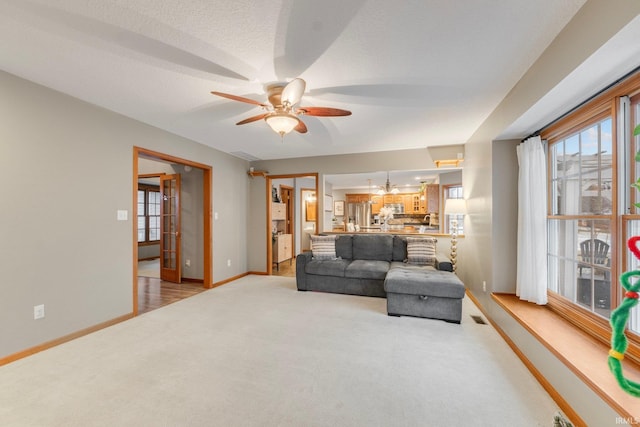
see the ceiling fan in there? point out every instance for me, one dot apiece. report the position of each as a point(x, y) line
point(282, 111)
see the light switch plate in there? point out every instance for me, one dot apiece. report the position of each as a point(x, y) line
point(123, 215)
point(38, 311)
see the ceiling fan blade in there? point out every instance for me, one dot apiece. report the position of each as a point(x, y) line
point(239, 98)
point(322, 111)
point(301, 128)
point(292, 92)
point(252, 119)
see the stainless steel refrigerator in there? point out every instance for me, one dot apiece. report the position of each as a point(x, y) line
point(360, 214)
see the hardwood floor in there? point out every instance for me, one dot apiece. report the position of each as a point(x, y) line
point(155, 293)
point(285, 269)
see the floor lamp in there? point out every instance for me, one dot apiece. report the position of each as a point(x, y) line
point(454, 207)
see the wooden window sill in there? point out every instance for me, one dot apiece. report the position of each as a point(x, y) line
point(584, 355)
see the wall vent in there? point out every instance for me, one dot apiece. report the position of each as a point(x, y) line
point(479, 320)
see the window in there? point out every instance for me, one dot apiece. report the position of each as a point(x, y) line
point(148, 214)
point(580, 224)
point(590, 156)
point(631, 222)
point(453, 192)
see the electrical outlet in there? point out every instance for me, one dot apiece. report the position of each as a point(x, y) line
point(228, 263)
point(484, 286)
point(187, 263)
point(38, 312)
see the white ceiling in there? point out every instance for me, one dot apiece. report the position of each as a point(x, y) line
point(415, 73)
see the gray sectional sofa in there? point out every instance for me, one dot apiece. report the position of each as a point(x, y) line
point(375, 265)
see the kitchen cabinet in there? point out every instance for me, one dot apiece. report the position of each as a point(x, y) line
point(278, 217)
point(393, 198)
point(278, 211)
point(357, 198)
point(433, 198)
point(423, 202)
point(415, 204)
point(407, 201)
point(376, 204)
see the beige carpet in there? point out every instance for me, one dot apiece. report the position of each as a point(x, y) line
point(256, 352)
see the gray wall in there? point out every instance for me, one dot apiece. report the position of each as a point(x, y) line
point(504, 189)
point(68, 167)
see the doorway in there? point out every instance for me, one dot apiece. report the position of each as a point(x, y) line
point(309, 212)
point(288, 197)
point(148, 205)
point(170, 225)
point(288, 189)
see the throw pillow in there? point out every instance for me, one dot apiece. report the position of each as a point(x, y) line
point(323, 247)
point(421, 250)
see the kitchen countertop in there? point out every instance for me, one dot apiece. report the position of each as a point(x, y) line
point(406, 231)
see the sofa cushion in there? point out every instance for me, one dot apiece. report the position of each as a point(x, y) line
point(328, 267)
point(323, 247)
point(343, 246)
point(423, 281)
point(421, 250)
point(399, 248)
point(416, 267)
point(367, 269)
point(373, 247)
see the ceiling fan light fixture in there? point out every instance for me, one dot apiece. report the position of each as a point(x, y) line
point(281, 111)
point(281, 123)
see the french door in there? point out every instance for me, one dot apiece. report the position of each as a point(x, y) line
point(170, 228)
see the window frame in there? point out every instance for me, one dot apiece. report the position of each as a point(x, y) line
point(148, 188)
point(446, 223)
point(605, 104)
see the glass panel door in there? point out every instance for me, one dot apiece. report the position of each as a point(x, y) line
point(170, 228)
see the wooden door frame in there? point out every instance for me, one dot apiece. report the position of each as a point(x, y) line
point(207, 208)
point(268, 182)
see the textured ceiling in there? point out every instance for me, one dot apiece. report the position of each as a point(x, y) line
point(415, 73)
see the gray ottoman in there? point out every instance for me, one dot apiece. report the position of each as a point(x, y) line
point(424, 292)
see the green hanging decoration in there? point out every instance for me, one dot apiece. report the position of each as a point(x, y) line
point(619, 319)
point(620, 316)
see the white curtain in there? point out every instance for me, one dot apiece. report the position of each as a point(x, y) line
point(531, 280)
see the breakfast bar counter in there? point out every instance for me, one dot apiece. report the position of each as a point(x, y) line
point(405, 231)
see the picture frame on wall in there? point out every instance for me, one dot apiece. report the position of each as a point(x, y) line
point(338, 208)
